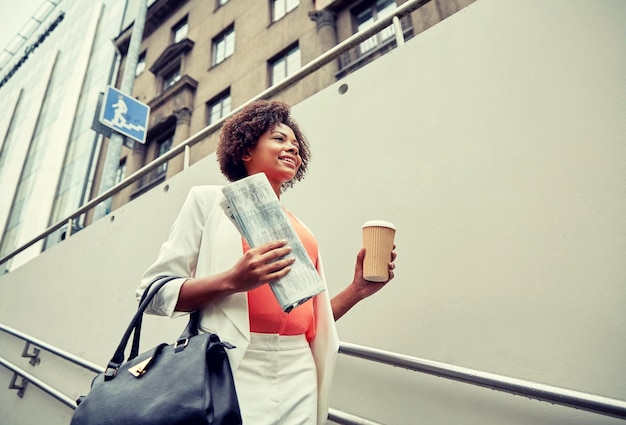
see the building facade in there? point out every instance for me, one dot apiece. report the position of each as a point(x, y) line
point(51, 74)
point(199, 60)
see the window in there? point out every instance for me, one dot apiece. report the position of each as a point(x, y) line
point(224, 45)
point(171, 77)
point(141, 64)
point(179, 31)
point(121, 171)
point(218, 107)
point(162, 147)
point(281, 7)
point(284, 65)
point(367, 16)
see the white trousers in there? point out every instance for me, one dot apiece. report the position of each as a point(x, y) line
point(276, 381)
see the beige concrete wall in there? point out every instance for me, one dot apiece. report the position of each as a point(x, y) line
point(501, 160)
point(495, 143)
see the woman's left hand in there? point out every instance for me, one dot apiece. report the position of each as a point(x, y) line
point(359, 288)
point(365, 288)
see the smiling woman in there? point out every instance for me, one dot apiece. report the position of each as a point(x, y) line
point(283, 362)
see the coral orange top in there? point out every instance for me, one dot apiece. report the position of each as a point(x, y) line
point(265, 313)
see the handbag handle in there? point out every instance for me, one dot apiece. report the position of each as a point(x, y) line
point(135, 327)
point(134, 350)
point(190, 330)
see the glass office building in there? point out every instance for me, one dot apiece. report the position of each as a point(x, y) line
point(51, 75)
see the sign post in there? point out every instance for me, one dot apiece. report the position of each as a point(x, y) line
point(124, 117)
point(124, 114)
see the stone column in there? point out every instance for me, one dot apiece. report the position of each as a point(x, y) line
point(181, 133)
point(326, 27)
point(327, 31)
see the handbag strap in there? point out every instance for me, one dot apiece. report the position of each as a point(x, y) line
point(135, 326)
point(190, 330)
point(134, 350)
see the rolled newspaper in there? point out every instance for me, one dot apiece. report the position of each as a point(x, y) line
point(256, 212)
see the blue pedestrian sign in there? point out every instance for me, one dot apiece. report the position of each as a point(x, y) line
point(125, 114)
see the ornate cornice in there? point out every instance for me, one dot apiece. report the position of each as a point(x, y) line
point(170, 54)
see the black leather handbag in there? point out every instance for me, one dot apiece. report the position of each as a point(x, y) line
point(189, 382)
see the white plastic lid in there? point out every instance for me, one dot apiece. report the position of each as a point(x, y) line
point(379, 223)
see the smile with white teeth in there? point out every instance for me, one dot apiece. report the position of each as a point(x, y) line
point(290, 160)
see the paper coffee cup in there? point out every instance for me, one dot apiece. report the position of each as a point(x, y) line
point(378, 237)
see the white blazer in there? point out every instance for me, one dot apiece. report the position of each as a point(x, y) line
point(203, 242)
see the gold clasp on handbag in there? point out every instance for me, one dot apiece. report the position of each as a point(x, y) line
point(140, 368)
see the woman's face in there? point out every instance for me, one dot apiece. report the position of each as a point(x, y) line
point(277, 154)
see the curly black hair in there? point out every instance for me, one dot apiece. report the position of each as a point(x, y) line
point(241, 132)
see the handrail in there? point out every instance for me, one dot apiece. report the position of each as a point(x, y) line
point(564, 397)
point(39, 383)
point(303, 72)
point(542, 392)
point(52, 349)
point(343, 418)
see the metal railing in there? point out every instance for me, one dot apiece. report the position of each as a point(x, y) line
point(541, 392)
point(185, 146)
point(52, 349)
point(48, 389)
point(555, 395)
